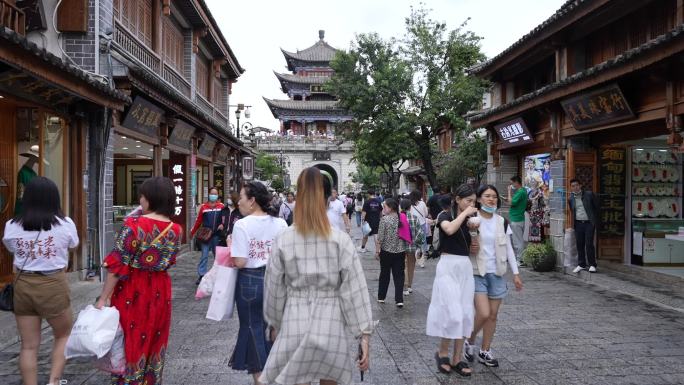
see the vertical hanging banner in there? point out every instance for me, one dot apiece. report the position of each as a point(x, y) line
point(247, 168)
point(219, 177)
point(179, 175)
point(612, 191)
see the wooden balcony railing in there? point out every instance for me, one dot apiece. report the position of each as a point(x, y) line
point(133, 46)
point(12, 17)
point(135, 50)
point(176, 80)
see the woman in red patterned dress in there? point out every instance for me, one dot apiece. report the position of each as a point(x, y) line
point(140, 287)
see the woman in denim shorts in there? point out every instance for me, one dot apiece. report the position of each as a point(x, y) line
point(489, 266)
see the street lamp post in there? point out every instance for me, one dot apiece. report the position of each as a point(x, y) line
point(238, 110)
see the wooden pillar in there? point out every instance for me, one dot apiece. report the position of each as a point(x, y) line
point(679, 17)
point(158, 29)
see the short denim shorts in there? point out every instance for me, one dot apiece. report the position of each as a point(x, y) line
point(492, 284)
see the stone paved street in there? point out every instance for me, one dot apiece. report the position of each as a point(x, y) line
point(556, 331)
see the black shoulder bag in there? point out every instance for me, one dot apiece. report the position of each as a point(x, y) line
point(7, 293)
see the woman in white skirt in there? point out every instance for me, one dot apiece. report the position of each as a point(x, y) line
point(451, 313)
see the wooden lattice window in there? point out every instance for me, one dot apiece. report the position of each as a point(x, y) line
point(174, 42)
point(136, 17)
point(217, 97)
point(202, 76)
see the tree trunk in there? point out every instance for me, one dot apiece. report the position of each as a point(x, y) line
point(423, 143)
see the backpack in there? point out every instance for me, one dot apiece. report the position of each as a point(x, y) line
point(290, 215)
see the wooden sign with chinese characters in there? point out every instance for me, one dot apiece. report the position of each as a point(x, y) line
point(222, 153)
point(612, 179)
point(513, 133)
point(602, 106)
point(181, 135)
point(178, 173)
point(219, 178)
point(144, 117)
point(207, 147)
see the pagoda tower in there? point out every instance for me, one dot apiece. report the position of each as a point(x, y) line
point(309, 116)
point(310, 110)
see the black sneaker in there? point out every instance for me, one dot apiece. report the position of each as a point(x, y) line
point(487, 359)
point(468, 351)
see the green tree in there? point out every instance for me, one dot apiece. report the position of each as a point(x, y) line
point(412, 86)
point(367, 176)
point(269, 166)
point(469, 160)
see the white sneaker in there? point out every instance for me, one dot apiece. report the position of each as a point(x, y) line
point(410, 290)
point(578, 269)
point(361, 249)
point(592, 269)
point(400, 305)
point(407, 292)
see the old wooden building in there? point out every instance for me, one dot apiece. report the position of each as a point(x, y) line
point(596, 92)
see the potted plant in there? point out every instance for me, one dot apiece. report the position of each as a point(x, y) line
point(540, 256)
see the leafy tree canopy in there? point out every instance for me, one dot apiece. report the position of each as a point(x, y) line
point(411, 87)
point(269, 166)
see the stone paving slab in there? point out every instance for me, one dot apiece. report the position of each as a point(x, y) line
point(556, 331)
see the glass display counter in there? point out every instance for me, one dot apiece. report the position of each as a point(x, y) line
point(650, 243)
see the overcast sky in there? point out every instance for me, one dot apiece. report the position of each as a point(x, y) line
point(257, 29)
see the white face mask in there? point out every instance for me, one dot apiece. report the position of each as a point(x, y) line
point(229, 202)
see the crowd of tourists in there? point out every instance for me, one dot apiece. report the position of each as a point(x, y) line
point(300, 283)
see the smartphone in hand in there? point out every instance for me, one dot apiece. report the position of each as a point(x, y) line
point(360, 357)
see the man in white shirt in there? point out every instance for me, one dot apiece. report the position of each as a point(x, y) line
point(336, 213)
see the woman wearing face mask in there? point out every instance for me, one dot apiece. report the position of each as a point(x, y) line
point(209, 217)
point(390, 250)
point(489, 266)
point(451, 314)
point(229, 215)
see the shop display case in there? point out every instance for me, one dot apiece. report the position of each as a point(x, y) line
point(656, 209)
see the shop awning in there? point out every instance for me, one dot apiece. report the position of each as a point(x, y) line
point(413, 171)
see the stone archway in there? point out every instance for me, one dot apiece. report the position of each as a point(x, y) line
point(331, 170)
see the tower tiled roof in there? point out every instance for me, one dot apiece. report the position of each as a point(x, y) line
point(301, 79)
point(319, 52)
point(303, 105)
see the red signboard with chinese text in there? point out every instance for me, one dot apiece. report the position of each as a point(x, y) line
point(513, 133)
point(601, 106)
point(179, 173)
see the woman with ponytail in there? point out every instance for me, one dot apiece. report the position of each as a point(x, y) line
point(251, 247)
point(390, 251)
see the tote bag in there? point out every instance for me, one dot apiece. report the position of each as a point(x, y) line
point(222, 303)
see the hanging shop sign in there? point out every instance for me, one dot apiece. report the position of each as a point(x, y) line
point(206, 149)
point(179, 174)
point(247, 168)
point(602, 106)
point(143, 117)
point(219, 178)
point(222, 153)
point(513, 133)
point(612, 181)
point(181, 135)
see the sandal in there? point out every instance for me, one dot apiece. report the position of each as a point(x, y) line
point(461, 367)
point(442, 362)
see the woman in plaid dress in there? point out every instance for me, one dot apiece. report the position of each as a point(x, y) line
point(418, 239)
point(314, 290)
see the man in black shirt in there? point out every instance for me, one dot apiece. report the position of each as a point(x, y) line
point(372, 210)
point(433, 202)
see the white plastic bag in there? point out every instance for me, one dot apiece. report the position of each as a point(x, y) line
point(206, 285)
point(365, 229)
point(93, 333)
point(222, 301)
point(115, 360)
point(569, 248)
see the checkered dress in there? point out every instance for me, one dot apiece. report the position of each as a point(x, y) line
point(314, 288)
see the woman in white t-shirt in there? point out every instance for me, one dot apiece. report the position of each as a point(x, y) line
point(251, 247)
point(40, 238)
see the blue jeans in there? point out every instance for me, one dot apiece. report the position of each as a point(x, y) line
point(491, 284)
point(251, 347)
point(358, 218)
point(204, 259)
